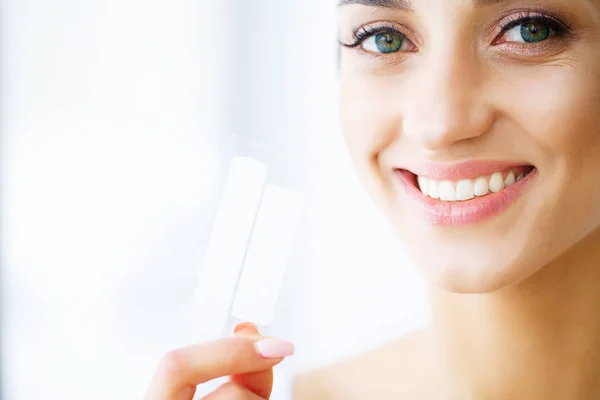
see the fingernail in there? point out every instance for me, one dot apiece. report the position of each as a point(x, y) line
point(273, 348)
point(244, 325)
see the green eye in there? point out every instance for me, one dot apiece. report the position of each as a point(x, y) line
point(385, 43)
point(388, 42)
point(534, 31)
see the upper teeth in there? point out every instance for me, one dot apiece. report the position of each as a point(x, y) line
point(467, 189)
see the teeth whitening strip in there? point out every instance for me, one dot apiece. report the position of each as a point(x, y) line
point(255, 228)
point(267, 257)
point(227, 245)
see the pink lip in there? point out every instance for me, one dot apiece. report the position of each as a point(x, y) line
point(465, 170)
point(443, 213)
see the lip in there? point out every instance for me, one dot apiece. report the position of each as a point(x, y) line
point(464, 170)
point(443, 213)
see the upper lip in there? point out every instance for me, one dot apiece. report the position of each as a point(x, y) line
point(464, 170)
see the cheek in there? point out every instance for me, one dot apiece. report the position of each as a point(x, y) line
point(558, 109)
point(369, 116)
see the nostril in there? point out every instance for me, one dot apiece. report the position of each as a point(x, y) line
point(442, 124)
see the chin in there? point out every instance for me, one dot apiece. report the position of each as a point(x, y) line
point(473, 279)
point(480, 263)
point(473, 266)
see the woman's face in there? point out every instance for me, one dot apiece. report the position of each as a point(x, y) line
point(476, 126)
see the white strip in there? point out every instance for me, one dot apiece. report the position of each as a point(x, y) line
point(227, 246)
point(268, 255)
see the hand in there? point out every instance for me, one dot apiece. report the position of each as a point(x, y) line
point(247, 357)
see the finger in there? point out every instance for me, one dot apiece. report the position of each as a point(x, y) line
point(260, 383)
point(188, 367)
point(232, 391)
point(246, 328)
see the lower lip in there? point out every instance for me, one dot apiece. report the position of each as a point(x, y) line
point(445, 213)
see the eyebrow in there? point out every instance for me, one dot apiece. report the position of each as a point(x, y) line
point(395, 4)
point(404, 5)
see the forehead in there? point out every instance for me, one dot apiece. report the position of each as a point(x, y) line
point(410, 5)
point(587, 11)
point(407, 5)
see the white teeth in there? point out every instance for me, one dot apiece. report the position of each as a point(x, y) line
point(447, 191)
point(496, 182)
point(510, 179)
point(465, 190)
point(481, 187)
point(434, 189)
point(423, 185)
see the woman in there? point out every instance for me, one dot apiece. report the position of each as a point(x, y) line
point(475, 124)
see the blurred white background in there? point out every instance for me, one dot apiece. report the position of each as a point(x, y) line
point(118, 123)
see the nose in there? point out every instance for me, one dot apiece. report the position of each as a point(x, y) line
point(446, 105)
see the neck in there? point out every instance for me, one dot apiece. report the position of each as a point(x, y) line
point(538, 339)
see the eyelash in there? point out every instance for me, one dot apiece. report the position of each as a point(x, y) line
point(363, 33)
point(559, 28)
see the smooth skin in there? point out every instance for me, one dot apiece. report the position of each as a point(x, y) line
point(515, 299)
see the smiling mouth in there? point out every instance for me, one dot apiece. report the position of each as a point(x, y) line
point(464, 193)
point(468, 189)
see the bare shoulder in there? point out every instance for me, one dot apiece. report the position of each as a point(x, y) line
point(398, 369)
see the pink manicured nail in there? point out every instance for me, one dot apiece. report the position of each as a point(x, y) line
point(273, 348)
